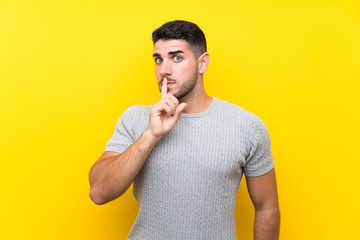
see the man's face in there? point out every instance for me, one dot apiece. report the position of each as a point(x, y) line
point(175, 61)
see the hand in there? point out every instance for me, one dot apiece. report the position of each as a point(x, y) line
point(165, 113)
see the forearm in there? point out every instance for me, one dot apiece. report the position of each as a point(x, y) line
point(110, 177)
point(267, 224)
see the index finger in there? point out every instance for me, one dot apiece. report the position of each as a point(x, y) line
point(164, 88)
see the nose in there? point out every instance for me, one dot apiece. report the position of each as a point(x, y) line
point(166, 68)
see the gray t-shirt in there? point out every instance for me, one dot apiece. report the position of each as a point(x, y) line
point(188, 185)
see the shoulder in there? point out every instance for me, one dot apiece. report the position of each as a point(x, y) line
point(135, 111)
point(134, 115)
point(248, 122)
point(236, 111)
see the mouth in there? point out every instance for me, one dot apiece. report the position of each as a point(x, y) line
point(169, 81)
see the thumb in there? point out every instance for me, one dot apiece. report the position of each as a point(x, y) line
point(179, 109)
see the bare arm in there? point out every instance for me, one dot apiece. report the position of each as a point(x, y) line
point(263, 193)
point(113, 173)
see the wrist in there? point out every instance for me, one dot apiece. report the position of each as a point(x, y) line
point(148, 134)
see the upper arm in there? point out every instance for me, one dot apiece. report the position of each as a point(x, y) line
point(127, 130)
point(263, 191)
point(259, 159)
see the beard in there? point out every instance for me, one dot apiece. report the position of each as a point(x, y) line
point(187, 86)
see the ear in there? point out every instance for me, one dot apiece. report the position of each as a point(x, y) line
point(203, 62)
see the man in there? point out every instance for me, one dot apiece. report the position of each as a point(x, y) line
point(186, 153)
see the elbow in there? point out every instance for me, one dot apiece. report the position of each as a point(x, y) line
point(272, 213)
point(269, 217)
point(96, 197)
point(99, 198)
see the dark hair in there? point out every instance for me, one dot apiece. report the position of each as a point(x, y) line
point(185, 30)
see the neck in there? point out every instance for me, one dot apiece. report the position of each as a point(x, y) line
point(197, 100)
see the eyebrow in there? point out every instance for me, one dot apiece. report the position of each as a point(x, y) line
point(176, 52)
point(170, 53)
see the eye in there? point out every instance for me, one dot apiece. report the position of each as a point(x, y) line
point(177, 58)
point(158, 60)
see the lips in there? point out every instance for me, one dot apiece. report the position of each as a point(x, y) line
point(169, 81)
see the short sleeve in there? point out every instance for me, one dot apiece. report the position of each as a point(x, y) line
point(124, 135)
point(259, 160)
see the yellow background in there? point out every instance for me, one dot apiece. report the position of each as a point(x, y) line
point(68, 69)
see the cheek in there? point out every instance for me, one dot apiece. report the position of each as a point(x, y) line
point(185, 69)
point(157, 72)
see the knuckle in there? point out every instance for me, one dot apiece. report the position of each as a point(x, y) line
point(174, 99)
point(171, 103)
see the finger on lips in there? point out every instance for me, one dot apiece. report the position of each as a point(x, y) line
point(168, 100)
point(164, 88)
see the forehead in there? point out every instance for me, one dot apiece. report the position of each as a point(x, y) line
point(165, 46)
